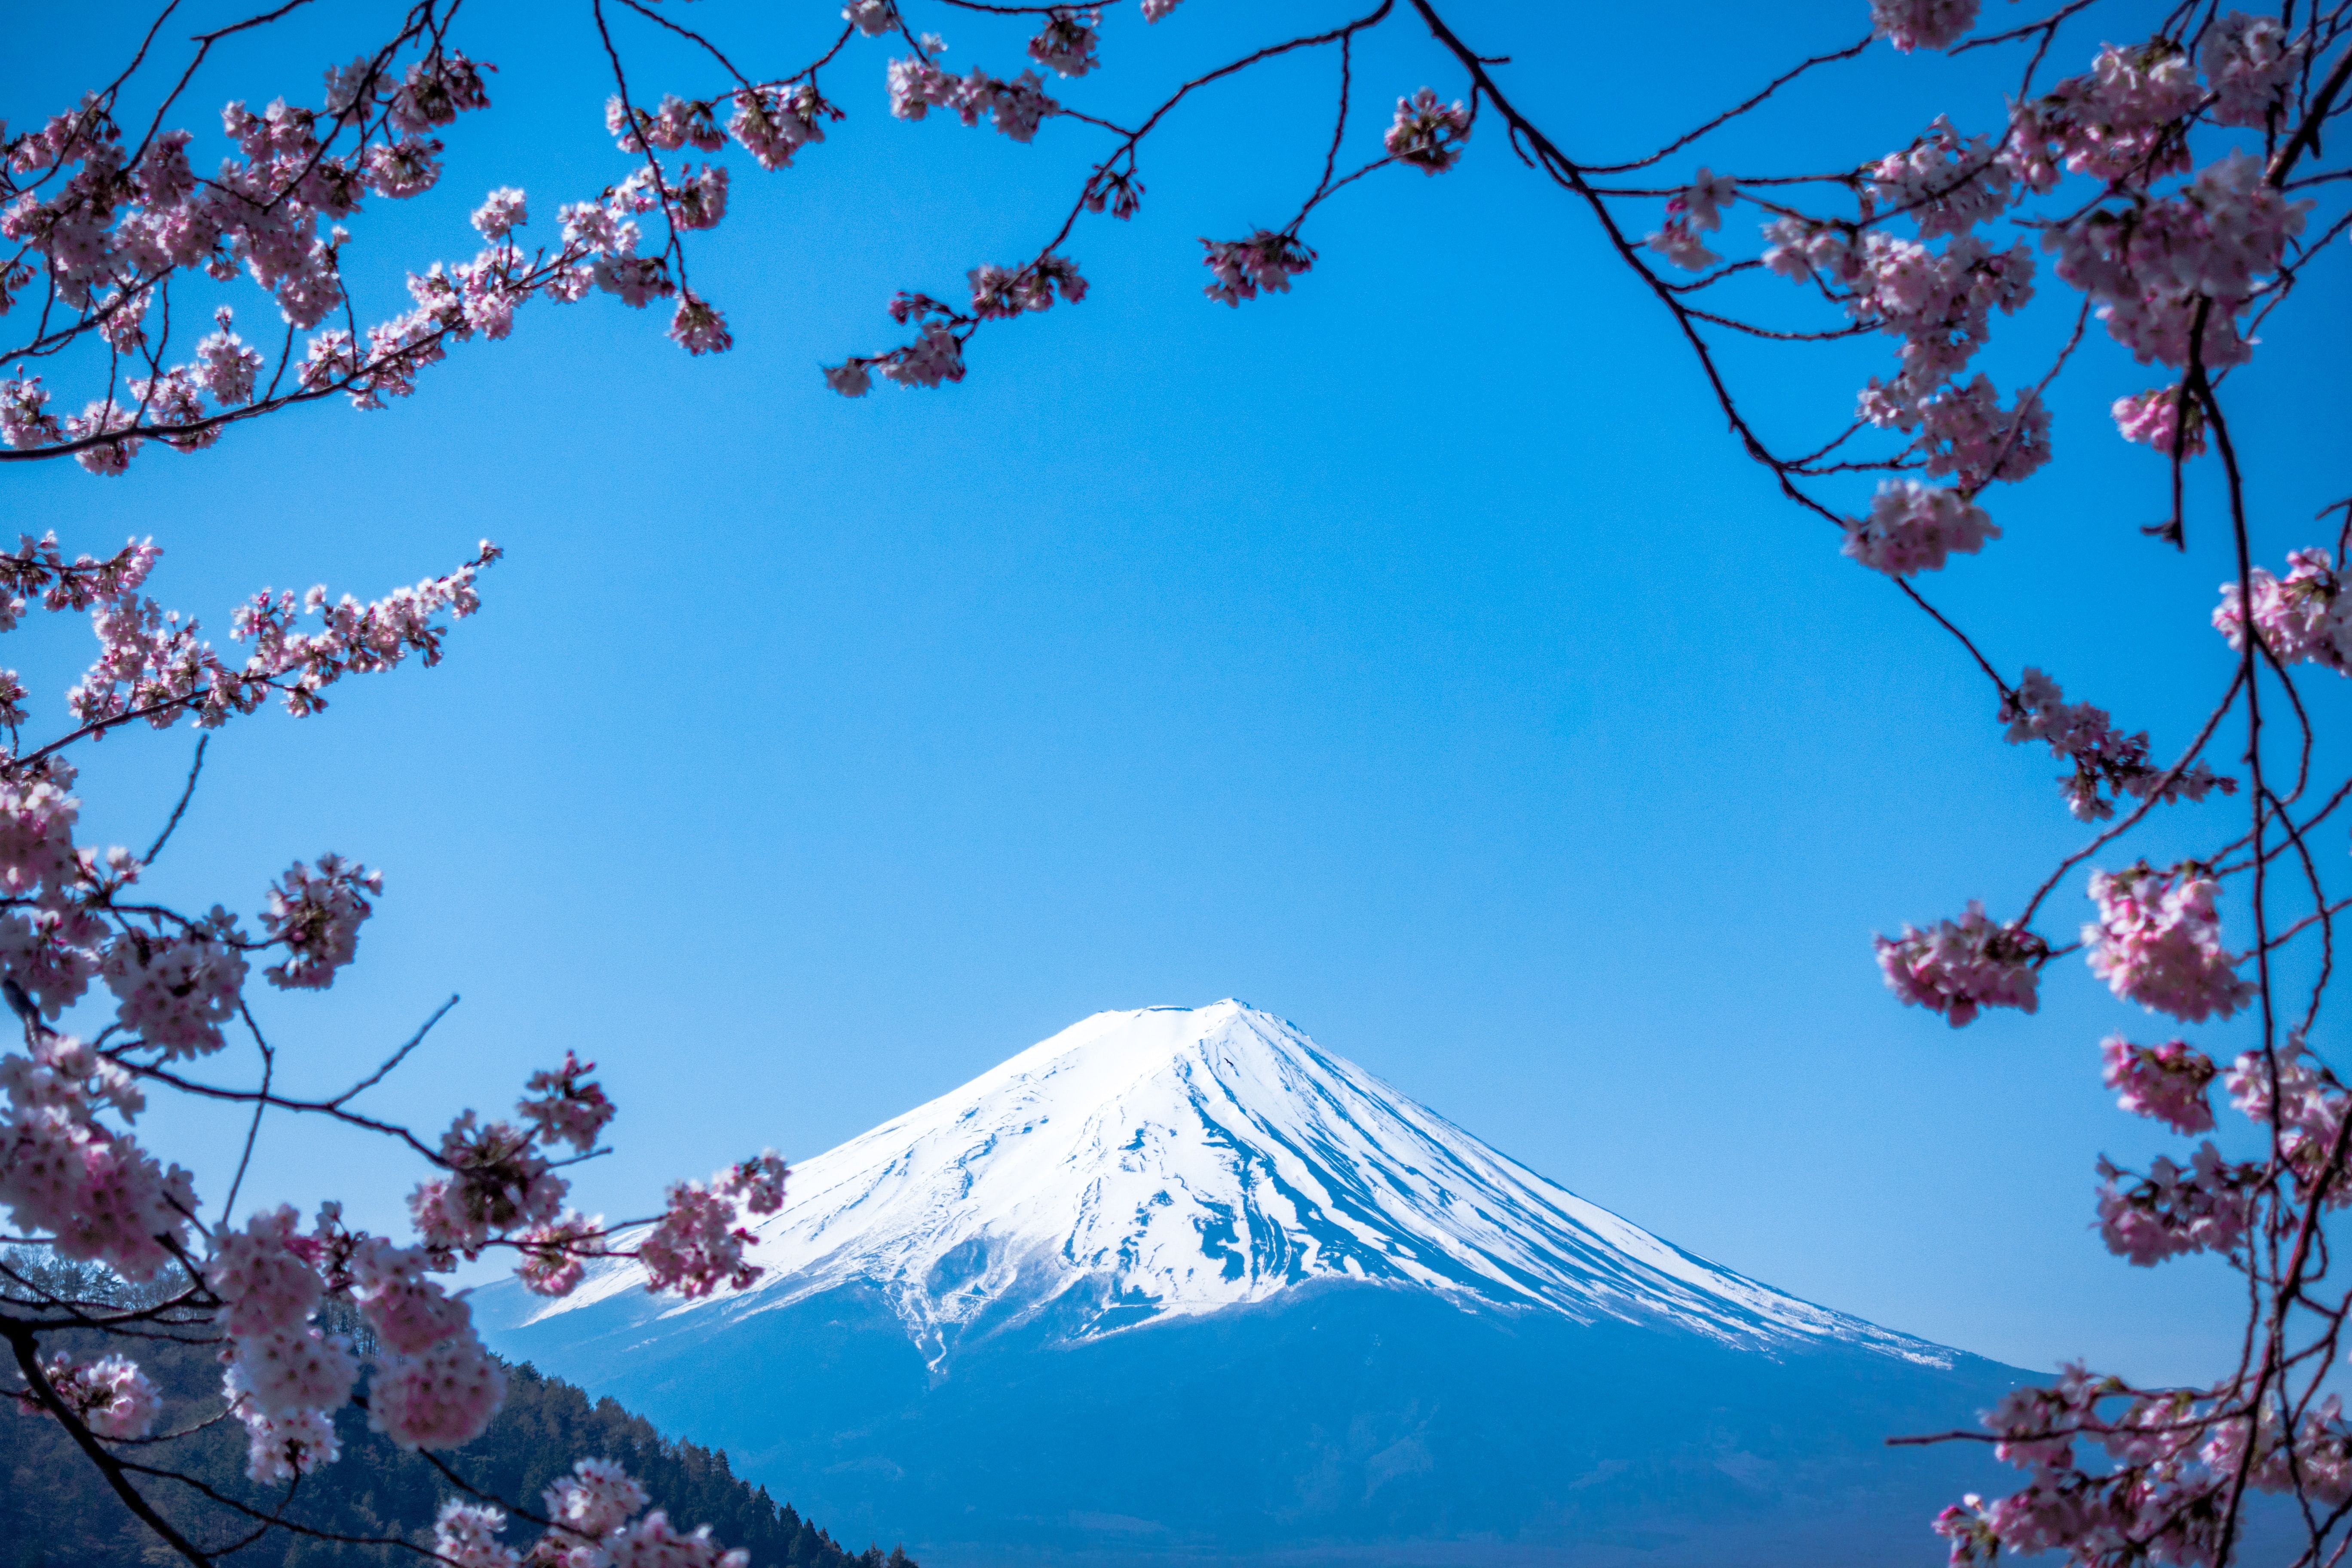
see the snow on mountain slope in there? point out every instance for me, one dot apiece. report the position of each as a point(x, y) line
point(1174, 1161)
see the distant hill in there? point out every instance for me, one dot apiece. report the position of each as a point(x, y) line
point(56, 1513)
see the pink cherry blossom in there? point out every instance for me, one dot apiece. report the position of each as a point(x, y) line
point(2250, 63)
point(465, 1535)
point(872, 18)
point(1065, 45)
point(2036, 1424)
point(496, 1183)
point(2302, 616)
point(1913, 527)
point(697, 327)
point(564, 1109)
point(699, 200)
point(36, 822)
point(1923, 24)
point(773, 125)
point(502, 212)
point(697, 1246)
point(439, 1398)
point(1265, 262)
point(1959, 967)
point(2202, 1206)
point(286, 1371)
point(280, 1448)
point(2103, 757)
point(1945, 183)
point(998, 294)
point(266, 1282)
point(595, 1499)
point(1966, 434)
point(2153, 417)
point(110, 1395)
point(651, 1542)
point(1428, 134)
point(759, 1182)
point(553, 1256)
point(97, 1193)
point(1016, 108)
point(2119, 122)
point(50, 953)
point(2166, 1082)
point(2152, 267)
point(316, 917)
point(176, 992)
point(2295, 1094)
point(1695, 210)
point(25, 421)
point(854, 379)
point(2157, 942)
point(410, 1312)
point(936, 356)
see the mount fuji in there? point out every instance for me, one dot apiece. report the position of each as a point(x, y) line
point(1178, 1285)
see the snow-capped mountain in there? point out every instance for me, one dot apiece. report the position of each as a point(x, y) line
point(1179, 1281)
point(1170, 1161)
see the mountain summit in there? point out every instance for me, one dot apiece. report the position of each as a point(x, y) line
point(1172, 1161)
point(1178, 1283)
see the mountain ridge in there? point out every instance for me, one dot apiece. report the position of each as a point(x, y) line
point(1187, 1160)
point(1179, 1285)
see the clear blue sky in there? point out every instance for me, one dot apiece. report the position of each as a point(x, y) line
point(1411, 656)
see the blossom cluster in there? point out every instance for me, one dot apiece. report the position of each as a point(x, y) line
point(1066, 44)
point(1017, 106)
point(1959, 967)
point(2205, 1205)
point(110, 233)
point(936, 355)
point(2155, 268)
point(75, 1178)
point(110, 1395)
point(1429, 134)
point(2156, 1495)
point(1923, 24)
point(1965, 433)
point(111, 228)
point(998, 293)
point(1939, 302)
point(1915, 528)
point(592, 1524)
point(1265, 262)
point(2166, 1082)
point(2172, 1461)
point(1696, 210)
point(67, 1170)
point(2302, 616)
point(698, 1245)
point(316, 916)
point(2163, 418)
point(88, 1188)
point(2104, 758)
point(1944, 182)
point(2291, 1092)
point(2157, 942)
point(2161, 263)
point(773, 124)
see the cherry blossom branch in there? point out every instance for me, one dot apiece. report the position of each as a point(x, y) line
point(21, 1341)
point(187, 792)
point(1754, 102)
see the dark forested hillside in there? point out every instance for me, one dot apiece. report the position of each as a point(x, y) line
point(56, 1511)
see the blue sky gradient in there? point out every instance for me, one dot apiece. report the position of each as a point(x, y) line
point(1412, 655)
